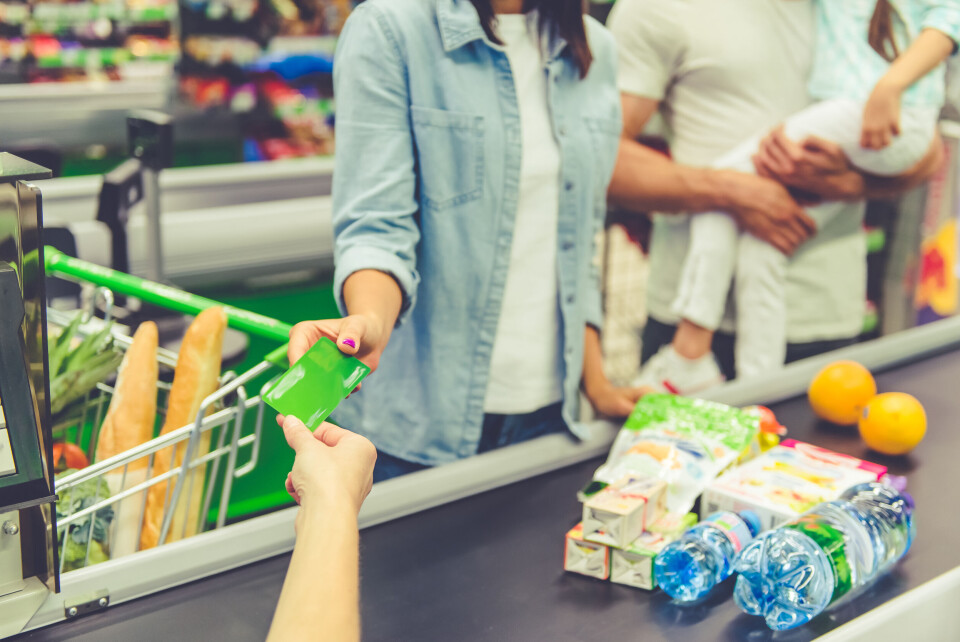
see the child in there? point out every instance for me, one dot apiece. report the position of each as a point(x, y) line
point(881, 106)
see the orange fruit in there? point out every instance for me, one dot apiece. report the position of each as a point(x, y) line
point(840, 391)
point(893, 423)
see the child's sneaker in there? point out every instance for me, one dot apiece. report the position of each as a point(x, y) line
point(667, 371)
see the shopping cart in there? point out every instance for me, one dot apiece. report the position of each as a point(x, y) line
point(105, 502)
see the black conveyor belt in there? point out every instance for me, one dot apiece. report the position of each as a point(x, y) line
point(490, 567)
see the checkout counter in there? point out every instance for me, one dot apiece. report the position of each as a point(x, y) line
point(473, 550)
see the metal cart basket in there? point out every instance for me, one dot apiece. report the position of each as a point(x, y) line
point(106, 501)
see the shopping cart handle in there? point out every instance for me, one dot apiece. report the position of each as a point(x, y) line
point(279, 357)
point(60, 264)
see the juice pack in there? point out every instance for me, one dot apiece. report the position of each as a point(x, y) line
point(787, 481)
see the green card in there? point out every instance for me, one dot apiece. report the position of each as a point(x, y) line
point(316, 384)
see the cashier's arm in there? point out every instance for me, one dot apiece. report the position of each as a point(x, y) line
point(332, 475)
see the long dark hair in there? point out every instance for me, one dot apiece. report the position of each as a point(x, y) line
point(880, 35)
point(563, 16)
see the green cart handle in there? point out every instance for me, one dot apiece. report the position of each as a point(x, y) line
point(58, 263)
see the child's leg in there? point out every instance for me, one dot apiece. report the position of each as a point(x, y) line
point(841, 121)
point(761, 269)
point(711, 258)
point(761, 302)
point(687, 364)
point(761, 344)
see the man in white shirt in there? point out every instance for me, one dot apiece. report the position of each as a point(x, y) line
point(719, 73)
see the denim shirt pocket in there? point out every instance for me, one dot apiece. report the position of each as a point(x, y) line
point(605, 139)
point(450, 156)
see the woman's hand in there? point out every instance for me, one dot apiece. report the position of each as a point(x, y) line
point(613, 401)
point(881, 117)
point(359, 335)
point(333, 468)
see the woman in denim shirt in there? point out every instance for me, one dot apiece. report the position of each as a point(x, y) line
point(475, 142)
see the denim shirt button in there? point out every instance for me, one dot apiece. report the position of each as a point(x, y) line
point(568, 245)
point(570, 298)
point(568, 185)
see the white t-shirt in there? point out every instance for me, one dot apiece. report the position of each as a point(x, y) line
point(525, 365)
point(724, 72)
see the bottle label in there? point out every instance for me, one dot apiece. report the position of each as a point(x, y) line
point(830, 539)
point(733, 527)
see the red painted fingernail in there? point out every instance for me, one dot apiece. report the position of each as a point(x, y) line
point(349, 342)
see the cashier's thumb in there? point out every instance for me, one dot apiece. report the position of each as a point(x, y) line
point(351, 332)
point(296, 433)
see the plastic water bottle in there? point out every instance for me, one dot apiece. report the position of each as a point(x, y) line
point(688, 568)
point(823, 558)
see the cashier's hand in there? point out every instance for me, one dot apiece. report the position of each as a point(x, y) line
point(357, 335)
point(333, 468)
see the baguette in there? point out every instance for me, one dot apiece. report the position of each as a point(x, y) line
point(128, 424)
point(133, 408)
point(195, 378)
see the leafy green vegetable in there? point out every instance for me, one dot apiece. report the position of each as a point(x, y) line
point(78, 534)
point(60, 346)
point(74, 372)
point(74, 385)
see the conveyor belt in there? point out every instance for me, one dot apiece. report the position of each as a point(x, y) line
point(490, 567)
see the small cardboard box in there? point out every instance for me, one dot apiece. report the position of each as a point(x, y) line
point(617, 515)
point(787, 481)
point(586, 558)
point(633, 565)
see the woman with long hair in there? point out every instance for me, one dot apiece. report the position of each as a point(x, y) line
point(475, 142)
point(878, 77)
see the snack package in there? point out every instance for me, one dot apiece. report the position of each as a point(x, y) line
point(586, 558)
point(787, 481)
point(685, 442)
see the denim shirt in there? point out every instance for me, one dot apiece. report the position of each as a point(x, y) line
point(425, 189)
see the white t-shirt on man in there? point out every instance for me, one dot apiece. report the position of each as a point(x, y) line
point(525, 365)
point(725, 71)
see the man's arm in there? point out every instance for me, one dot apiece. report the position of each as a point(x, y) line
point(645, 180)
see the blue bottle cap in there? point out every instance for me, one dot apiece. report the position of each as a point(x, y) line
point(752, 520)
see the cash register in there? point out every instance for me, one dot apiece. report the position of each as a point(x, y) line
point(28, 549)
